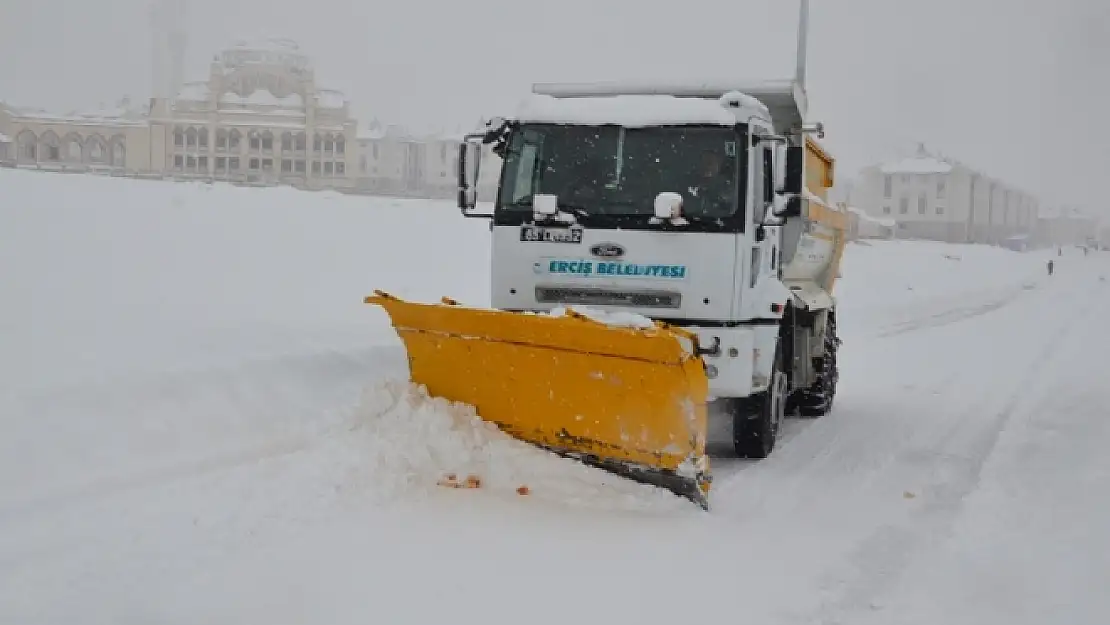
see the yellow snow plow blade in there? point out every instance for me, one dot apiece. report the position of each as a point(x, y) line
point(629, 400)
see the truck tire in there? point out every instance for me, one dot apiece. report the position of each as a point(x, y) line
point(757, 420)
point(817, 400)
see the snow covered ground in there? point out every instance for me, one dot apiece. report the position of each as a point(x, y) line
point(200, 421)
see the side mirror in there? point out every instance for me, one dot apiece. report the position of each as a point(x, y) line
point(792, 208)
point(793, 179)
point(470, 162)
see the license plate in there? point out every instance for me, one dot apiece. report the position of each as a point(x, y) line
point(551, 235)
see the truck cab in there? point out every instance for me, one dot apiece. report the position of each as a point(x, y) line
point(681, 203)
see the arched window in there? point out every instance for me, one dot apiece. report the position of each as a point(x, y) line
point(191, 138)
point(302, 141)
point(267, 141)
point(202, 137)
point(286, 142)
point(119, 151)
point(340, 144)
point(233, 138)
point(49, 149)
point(27, 145)
point(178, 137)
point(73, 151)
point(221, 138)
point(95, 147)
point(329, 143)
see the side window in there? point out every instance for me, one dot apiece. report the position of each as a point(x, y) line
point(525, 171)
point(768, 176)
point(758, 180)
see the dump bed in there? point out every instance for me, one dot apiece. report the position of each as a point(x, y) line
point(814, 244)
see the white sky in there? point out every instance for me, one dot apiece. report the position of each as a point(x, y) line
point(1018, 88)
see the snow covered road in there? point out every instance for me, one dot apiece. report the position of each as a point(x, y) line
point(200, 422)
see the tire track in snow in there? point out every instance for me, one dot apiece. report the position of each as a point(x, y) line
point(957, 314)
point(879, 561)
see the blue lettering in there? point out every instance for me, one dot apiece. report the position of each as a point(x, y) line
point(588, 268)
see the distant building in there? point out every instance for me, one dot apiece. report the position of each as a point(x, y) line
point(393, 161)
point(1067, 226)
point(258, 118)
point(937, 198)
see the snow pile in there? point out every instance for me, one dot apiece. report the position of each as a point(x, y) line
point(888, 284)
point(615, 319)
point(415, 441)
point(262, 97)
point(630, 111)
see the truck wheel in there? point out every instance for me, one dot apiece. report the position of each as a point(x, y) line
point(757, 420)
point(817, 400)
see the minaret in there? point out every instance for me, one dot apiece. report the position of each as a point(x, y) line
point(168, 43)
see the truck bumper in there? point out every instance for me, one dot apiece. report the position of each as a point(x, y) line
point(732, 369)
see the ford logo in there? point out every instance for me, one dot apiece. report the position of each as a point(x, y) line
point(607, 250)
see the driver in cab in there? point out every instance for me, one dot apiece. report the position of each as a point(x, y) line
point(711, 190)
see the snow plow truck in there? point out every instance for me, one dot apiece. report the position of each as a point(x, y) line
point(661, 253)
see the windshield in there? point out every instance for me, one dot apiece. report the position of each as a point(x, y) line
point(611, 170)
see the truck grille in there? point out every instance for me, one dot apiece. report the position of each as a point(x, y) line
point(604, 297)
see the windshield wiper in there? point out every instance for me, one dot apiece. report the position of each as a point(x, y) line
point(576, 209)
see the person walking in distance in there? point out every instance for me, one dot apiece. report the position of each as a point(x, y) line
point(1050, 265)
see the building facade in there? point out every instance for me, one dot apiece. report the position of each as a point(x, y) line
point(259, 118)
point(931, 197)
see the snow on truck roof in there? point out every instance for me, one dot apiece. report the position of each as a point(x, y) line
point(634, 104)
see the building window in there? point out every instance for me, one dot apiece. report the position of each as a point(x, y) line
point(316, 167)
point(253, 164)
point(940, 189)
point(202, 163)
point(255, 141)
point(233, 163)
point(191, 138)
point(922, 204)
point(299, 166)
point(328, 168)
point(202, 138)
point(267, 164)
point(179, 137)
point(286, 166)
point(301, 141)
point(190, 162)
point(178, 162)
point(940, 210)
point(286, 142)
point(886, 210)
point(340, 168)
point(221, 163)
point(267, 141)
point(340, 145)
point(233, 138)
point(904, 205)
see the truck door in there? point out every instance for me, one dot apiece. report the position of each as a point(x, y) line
point(765, 252)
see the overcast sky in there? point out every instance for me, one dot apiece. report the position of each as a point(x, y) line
point(1018, 88)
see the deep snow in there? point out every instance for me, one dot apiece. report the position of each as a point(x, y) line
point(200, 421)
